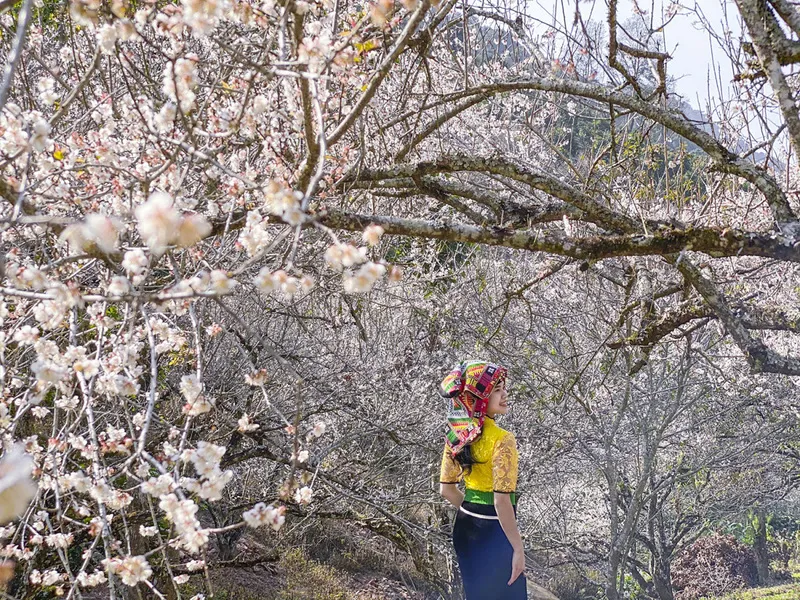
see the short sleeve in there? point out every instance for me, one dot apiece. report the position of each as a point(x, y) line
point(505, 461)
point(451, 470)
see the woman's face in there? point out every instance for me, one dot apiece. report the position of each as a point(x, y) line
point(498, 400)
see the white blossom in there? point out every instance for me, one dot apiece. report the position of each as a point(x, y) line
point(135, 262)
point(132, 570)
point(203, 15)
point(106, 38)
point(198, 406)
point(16, 485)
point(363, 279)
point(340, 256)
point(261, 515)
point(245, 425)
point(192, 229)
point(47, 93)
point(91, 580)
point(304, 495)
point(180, 79)
point(372, 234)
point(158, 486)
point(118, 286)
point(158, 221)
point(46, 578)
point(182, 514)
point(191, 387)
point(26, 335)
point(165, 117)
point(59, 540)
point(220, 282)
point(40, 132)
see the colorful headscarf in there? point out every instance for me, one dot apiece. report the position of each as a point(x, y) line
point(469, 385)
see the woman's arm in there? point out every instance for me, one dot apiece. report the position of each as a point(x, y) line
point(449, 476)
point(504, 476)
point(451, 493)
point(508, 521)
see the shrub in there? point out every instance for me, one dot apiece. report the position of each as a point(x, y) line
point(310, 580)
point(567, 583)
point(713, 565)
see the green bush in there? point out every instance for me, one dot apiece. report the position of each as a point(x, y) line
point(309, 580)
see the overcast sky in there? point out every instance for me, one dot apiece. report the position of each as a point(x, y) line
point(685, 38)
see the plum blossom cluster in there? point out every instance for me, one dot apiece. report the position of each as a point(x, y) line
point(180, 80)
point(182, 514)
point(270, 282)
point(345, 257)
point(96, 231)
point(283, 202)
point(162, 224)
point(128, 144)
point(51, 312)
point(203, 15)
point(132, 570)
point(197, 403)
point(262, 515)
point(211, 478)
point(23, 131)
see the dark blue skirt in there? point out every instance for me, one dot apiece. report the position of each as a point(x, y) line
point(484, 556)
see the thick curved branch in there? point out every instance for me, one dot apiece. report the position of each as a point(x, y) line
point(766, 36)
point(671, 320)
point(613, 46)
point(506, 210)
point(760, 358)
point(429, 187)
point(724, 160)
point(711, 241)
point(593, 210)
point(788, 13)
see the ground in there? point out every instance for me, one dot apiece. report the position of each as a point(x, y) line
point(790, 591)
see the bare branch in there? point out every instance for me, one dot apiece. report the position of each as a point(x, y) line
point(16, 51)
point(766, 34)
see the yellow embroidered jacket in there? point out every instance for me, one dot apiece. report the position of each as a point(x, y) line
point(497, 462)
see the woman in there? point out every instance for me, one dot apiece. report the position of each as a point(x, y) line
point(485, 535)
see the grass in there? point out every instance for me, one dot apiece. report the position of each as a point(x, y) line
point(789, 591)
point(310, 580)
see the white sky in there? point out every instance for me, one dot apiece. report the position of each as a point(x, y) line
point(686, 40)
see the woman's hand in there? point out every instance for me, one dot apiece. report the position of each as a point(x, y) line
point(452, 494)
point(508, 521)
point(517, 565)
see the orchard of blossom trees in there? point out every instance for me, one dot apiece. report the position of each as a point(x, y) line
point(241, 241)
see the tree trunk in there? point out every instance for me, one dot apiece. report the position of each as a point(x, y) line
point(613, 579)
point(662, 580)
point(760, 547)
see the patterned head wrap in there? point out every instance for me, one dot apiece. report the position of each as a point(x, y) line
point(469, 385)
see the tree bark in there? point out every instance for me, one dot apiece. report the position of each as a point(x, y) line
point(760, 546)
point(662, 578)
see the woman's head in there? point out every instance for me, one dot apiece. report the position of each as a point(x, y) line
point(498, 400)
point(470, 385)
